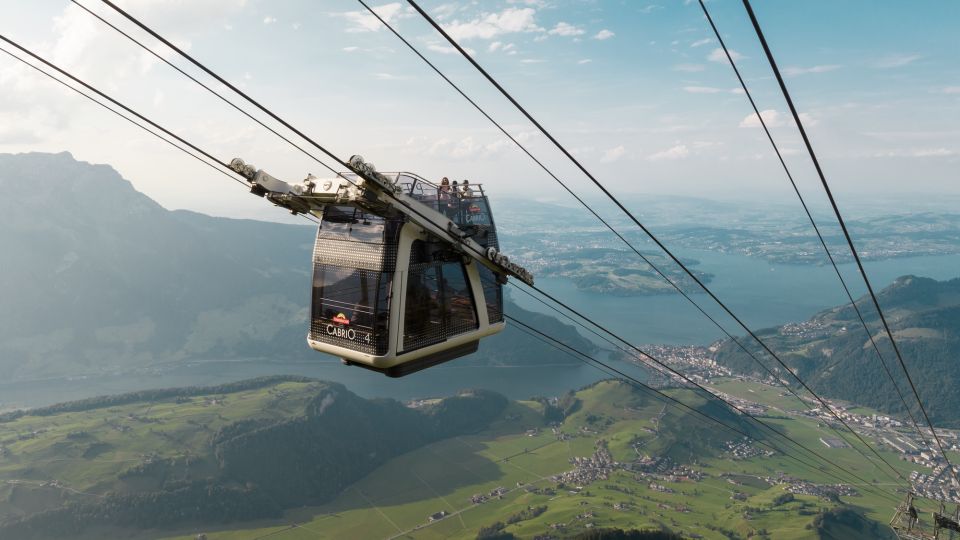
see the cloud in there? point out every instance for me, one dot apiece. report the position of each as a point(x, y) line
point(445, 11)
point(646, 10)
point(949, 90)
point(770, 117)
point(717, 55)
point(363, 21)
point(565, 29)
point(31, 124)
point(613, 154)
point(773, 118)
point(532, 61)
point(920, 153)
point(491, 25)
point(689, 68)
point(699, 42)
point(794, 71)
point(494, 46)
point(584, 61)
point(351, 49)
point(269, 20)
point(603, 35)
point(679, 151)
point(896, 60)
point(448, 49)
point(702, 89)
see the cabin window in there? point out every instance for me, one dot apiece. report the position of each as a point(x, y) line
point(353, 263)
point(492, 294)
point(351, 308)
point(458, 299)
point(439, 303)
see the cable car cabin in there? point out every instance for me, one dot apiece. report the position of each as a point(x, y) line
point(390, 296)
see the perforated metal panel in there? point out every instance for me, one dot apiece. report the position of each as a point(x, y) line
point(352, 239)
point(355, 254)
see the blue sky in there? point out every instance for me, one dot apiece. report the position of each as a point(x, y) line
point(633, 87)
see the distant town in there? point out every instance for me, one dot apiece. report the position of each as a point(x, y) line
point(882, 430)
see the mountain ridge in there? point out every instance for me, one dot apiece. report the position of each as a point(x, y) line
point(101, 278)
point(833, 354)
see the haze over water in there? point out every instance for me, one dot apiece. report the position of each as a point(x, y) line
point(763, 294)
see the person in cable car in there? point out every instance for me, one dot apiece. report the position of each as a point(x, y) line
point(467, 192)
point(444, 197)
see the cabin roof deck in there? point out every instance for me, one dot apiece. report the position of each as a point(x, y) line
point(417, 186)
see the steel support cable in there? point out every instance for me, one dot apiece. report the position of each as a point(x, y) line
point(205, 87)
point(594, 213)
point(116, 102)
point(687, 379)
point(239, 92)
point(637, 222)
point(604, 368)
point(806, 210)
point(577, 197)
point(121, 115)
point(270, 113)
point(669, 400)
point(636, 382)
point(310, 140)
point(840, 220)
point(111, 100)
point(128, 119)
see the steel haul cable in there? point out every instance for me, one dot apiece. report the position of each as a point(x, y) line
point(523, 148)
point(840, 220)
point(706, 392)
point(121, 115)
point(195, 80)
point(129, 110)
point(301, 134)
point(118, 103)
point(663, 247)
point(638, 383)
point(813, 222)
point(671, 401)
point(602, 220)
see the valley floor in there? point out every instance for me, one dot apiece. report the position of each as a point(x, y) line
point(619, 462)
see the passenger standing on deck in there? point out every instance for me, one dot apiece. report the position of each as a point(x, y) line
point(453, 205)
point(467, 192)
point(443, 194)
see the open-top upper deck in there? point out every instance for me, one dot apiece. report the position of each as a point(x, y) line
point(465, 207)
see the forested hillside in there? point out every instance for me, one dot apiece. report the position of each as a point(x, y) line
point(222, 454)
point(832, 352)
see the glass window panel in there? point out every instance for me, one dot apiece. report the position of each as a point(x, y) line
point(458, 299)
point(492, 294)
point(350, 308)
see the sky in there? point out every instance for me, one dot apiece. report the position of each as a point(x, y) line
point(638, 90)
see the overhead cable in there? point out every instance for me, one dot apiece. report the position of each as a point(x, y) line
point(646, 231)
point(813, 223)
point(840, 220)
point(632, 380)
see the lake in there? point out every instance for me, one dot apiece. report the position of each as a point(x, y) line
point(762, 294)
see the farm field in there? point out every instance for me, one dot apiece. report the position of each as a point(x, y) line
point(517, 459)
